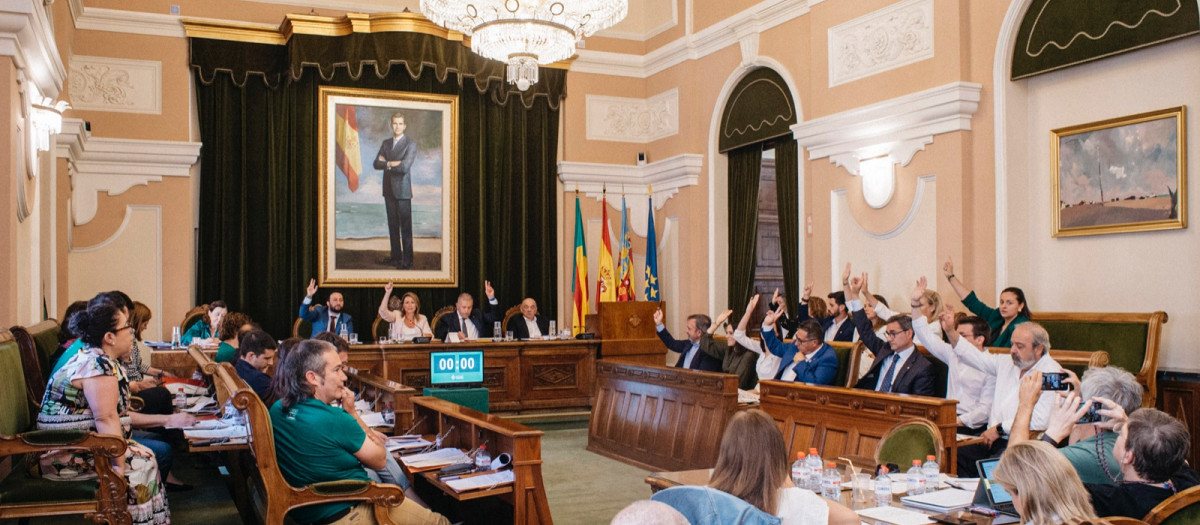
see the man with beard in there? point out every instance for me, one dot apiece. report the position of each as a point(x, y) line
point(327, 317)
point(1030, 351)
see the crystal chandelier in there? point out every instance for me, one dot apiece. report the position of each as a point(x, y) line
point(525, 33)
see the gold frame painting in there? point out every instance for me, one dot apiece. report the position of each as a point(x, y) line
point(389, 205)
point(1127, 174)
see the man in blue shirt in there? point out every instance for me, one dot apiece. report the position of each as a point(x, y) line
point(808, 359)
point(327, 317)
point(256, 353)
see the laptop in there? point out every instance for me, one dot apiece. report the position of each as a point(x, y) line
point(989, 494)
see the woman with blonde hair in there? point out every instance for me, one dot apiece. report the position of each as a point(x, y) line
point(752, 464)
point(1044, 486)
point(404, 316)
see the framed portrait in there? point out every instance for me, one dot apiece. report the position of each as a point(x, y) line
point(388, 188)
point(1126, 174)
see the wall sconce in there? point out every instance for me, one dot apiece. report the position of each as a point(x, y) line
point(878, 180)
point(47, 119)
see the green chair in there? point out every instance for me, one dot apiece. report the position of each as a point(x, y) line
point(36, 344)
point(908, 440)
point(847, 356)
point(1180, 509)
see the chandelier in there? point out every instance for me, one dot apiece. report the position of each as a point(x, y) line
point(525, 33)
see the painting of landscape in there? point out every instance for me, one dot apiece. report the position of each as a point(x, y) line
point(1121, 175)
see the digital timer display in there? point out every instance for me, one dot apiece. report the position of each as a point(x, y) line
point(450, 368)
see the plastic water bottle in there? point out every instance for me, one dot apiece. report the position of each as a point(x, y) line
point(389, 414)
point(814, 470)
point(799, 470)
point(916, 479)
point(831, 482)
point(933, 477)
point(483, 461)
point(553, 328)
point(497, 333)
point(883, 488)
point(198, 375)
point(344, 334)
point(180, 399)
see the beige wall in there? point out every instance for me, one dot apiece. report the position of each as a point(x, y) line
point(10, 107)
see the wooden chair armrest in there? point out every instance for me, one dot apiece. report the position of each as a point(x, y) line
point(47, 440)
point(381, 495)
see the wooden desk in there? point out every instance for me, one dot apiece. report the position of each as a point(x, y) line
point(177, 362)
point(628, 333)
point(660, 418)
point(840, 421)
point(519, 375)
point(380, 392)
point(473, 428)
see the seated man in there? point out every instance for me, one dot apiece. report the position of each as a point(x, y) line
point(690, 355)
point(836, 327)
point(972, 388)
point(256, 353)
point(1151, 451)
point(808, 359)
point(467, 321)
point(327, 317)
point(898, 366)
point(313, 380)
point(528, 325)
point(1087, 440)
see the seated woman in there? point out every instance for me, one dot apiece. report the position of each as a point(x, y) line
point(735, 358)
point(232, 325)
point(752, 464)
point(1044, 487)
point(404, 315)
point(1011, 311)
point(207, 328)
point(91, 392)
point(143, 378)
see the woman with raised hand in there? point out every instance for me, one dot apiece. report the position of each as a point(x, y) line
point(1011, 311)
point(404, 315)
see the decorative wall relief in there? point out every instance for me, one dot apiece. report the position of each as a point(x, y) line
point(886, 39)
point(112, 84)
point(621, 119)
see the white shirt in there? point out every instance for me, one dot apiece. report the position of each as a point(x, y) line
point(972, 388)
point(832, 331)
point(885, 313)
point(531, 324)
point(903, 356)
point(1005, 398)
point(466, 326)
point(799, 506)
point(398, 330)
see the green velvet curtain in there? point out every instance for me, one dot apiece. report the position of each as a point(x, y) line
point(745, 165)
point(259, 203)
point(787, 187)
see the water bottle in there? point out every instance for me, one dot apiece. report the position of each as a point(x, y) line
point(389, 415)
point(799, 470)
point(175, 337)
point(482, 460)
point(180, 399)
point(933, 477)
point(916, 479)
point(496, 331)
point(831, 482)
point(344, 334)
point(198, 375)
point(883, 488)
point(814, 470)
point(553, 328)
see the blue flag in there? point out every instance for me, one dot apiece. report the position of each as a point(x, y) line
point(651, 288)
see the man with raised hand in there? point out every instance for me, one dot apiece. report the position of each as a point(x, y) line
point(328, 317)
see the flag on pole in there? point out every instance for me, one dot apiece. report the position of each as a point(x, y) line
point(625, 276)
point(346, 155)
point(651, 287)
point(579, 285)
point(606, 289)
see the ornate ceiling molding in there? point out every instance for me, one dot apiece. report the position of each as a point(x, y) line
point(892, 37)
point(27, 36)
point(899, 127)
point(665, 177)
point(116, 84)
point(115, 165)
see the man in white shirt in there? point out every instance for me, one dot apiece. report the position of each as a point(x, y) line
point(1030, 351)
point(528, 325)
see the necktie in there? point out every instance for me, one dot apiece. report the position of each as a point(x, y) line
point(333, 323)
point(468, 328)
point(891, 371)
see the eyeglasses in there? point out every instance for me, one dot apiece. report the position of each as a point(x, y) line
point(808, 340)
point(894, 334)
point(123, 328)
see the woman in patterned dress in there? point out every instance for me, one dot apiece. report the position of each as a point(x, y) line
point(91, 392)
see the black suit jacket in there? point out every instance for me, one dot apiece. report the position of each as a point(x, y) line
point(520, 330)
point(701, 361)
point(915, 376)
point(483, 321)
point(397, 184)
point(845, 332)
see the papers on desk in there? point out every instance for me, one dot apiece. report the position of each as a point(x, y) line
point(747, 396)
point(374, 419)
point(437, 458)
point(229, 432)
point(405, 444)
point(895, 515)
point(944, 500)
point(199, 403)
point(481, 481)
point(362, 405)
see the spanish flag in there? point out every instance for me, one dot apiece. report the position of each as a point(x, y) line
point(579, 285)
point(606, 289)
point(346, 155)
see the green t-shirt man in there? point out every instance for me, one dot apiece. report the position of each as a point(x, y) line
point(306, 457)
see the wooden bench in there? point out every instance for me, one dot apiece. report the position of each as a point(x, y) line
point(264, 477)
point(660, 418)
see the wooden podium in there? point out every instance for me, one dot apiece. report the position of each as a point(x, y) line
point(626, 331)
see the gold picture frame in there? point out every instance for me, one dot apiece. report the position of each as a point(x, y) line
point(1143, 161)
point(373, 185)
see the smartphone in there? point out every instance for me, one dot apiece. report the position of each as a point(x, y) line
point(1093, 413)
point(1055, 381)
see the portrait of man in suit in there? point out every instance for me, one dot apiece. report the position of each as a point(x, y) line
point(395, 158)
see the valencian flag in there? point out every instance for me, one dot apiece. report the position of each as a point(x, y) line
point(346, 155)
point(606, 289)
point(651, 287)
point(625, 261)
point(579, 285)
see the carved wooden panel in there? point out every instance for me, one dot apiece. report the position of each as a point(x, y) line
point(627, 333)
point(1181, 399)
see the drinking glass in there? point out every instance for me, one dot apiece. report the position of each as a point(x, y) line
point(508, 335)
point(862, 487)
point(496, 331)
point(354, 339)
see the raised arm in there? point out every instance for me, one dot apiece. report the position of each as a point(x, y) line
point(384, 313)
point(959, 288)
point(719, 321)
point(739, 333)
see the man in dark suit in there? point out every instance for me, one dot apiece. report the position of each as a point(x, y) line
point(328, 317)
point(466, 321)
point(898, 366)
point(528, 325)
point(395, 158)
point(690, 355)
point(837, 327)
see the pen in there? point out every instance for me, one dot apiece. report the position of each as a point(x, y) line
point(982, 511)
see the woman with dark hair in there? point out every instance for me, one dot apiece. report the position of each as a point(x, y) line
point(231, 326)
point(1011, 311)
point(752, 464)
point(208, 327)
point(143, 378)
point(91, 392)
point(404, 316)
point(65, 336)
